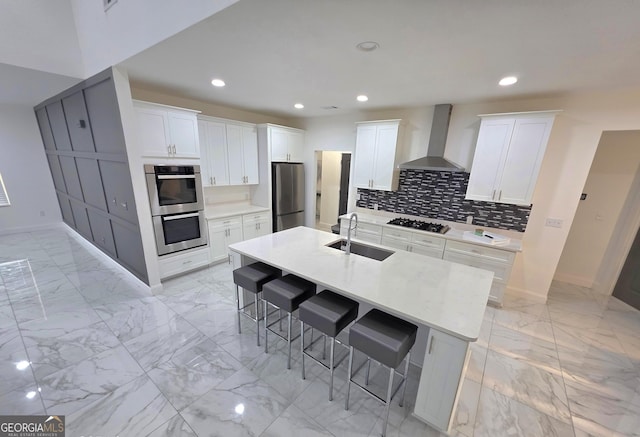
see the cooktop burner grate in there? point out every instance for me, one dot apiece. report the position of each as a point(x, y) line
point(419, 224)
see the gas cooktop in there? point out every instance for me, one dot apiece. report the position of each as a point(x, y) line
point(419, 224)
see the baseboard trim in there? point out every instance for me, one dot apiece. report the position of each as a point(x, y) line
point(526, 293)
point(31, 228)
point(573, 279)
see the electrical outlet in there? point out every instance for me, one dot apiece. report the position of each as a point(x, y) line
point(42, 213)
point(469, 219)
point(357, 196)
point(375, 206)
point(553, 222)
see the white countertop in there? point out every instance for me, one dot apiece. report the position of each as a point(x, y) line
point(447, 296)
point(229, 209)
point(455, 233)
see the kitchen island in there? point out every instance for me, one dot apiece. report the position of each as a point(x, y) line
point(447, 300)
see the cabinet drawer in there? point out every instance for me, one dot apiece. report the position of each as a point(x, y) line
point(428, 241)
point(404, 236)
point(500, 270)
point(486, 253)
point(183, 262)
point(371, 237)
point(228, 222)
point(256, 217)
point(435, 252)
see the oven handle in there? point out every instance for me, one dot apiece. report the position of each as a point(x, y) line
point(180, 176)
point(181, 216)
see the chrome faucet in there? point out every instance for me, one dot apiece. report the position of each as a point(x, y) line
point(347, 248)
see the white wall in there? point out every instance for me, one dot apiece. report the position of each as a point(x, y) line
point(25, 171)
point(612, 173)
point(41, 35)
point(129, 27)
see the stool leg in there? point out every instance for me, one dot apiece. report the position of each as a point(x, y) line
point(333, 344)
point(266, 322)
point(388, 404)
point(238, 308)
point(346, 400)
point(255, 306)
point(366, 375)
point(311, 344)
point(324, 347)
point(302, 345)
point(406, 373)
point(289, 341)
point(280, 319)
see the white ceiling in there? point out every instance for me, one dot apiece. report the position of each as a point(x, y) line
point(275, 53)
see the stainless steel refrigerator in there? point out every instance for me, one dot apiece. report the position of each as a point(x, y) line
point(288, 195)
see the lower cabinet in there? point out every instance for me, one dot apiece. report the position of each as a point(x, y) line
point(365, 231)
point(174, 264)
point(255, 225)
point(102, 233)
point(229, 230)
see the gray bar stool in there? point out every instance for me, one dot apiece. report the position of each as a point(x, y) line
point(286, 293)
point(329, 313)
point(252, 277)
point(388, 340)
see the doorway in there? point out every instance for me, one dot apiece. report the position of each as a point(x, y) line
point(332, 188)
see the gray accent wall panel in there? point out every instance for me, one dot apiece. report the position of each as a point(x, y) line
point(129, 247)
point(118, 190)
point(56, 173)
point(102, 233)
point(65, 208)
point(78, 125)
point(58, 126)
point(91, 182)
point(45, 129)
point(71, 179)
point(104, 114)
point(82, 220)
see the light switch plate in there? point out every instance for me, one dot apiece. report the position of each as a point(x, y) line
point(553, 222)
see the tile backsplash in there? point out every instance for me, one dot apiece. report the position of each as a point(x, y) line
point(440, 195)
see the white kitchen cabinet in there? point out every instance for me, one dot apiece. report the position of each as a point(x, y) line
point(242, 150)
point(167, 132)
point(256, 225)
point(441, 379)
point(508, 156)
point(287, 144)
point(377, 154)
point(413, 241)
point(500, 262)
point(213, 150)
point(222, 233)
point(364, 231)
point(174, 264)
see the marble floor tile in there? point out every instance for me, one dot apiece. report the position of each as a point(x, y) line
point(132, 318)
point(465, 418)
point(42, 308)
point(293, 422)
point(524, 347)
point(53, 350)
point(198, 297)
point(62, 320)
point(10, 340)
point(22, 401)
point(524, 304)
point(163, 343)
point(174, 427)
point(240, 406)
point(477, 360)
point(500, 415)
point(189, 375)
point(134, 409)
point(525, 323)
point(76, 386)
point(16, 372)
point(540, 389)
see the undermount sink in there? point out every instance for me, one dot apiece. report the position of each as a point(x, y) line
point(362, 250)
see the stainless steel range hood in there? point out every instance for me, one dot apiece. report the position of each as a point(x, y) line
point(435, 153)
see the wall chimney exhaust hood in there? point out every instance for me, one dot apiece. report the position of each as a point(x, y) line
point(435, 153)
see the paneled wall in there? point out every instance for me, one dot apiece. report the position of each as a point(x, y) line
point(440, 195)
point(84, 142)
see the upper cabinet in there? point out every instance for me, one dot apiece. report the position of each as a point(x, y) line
point(377, 153)
point(167, 132)
point(229, 152)
point(508, 156)
point(287, 144)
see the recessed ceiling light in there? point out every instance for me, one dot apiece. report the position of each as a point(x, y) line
point(362, 98)
point(367, 46)
point(298, 106)
point(218, 82)
point(509, 80)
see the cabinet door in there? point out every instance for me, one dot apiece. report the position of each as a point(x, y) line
point(45, 129)
point(385, 155)
point(296, 146)
point(441, 379)
point(234, 235)
point(205, 159)
point(249, 231)
point(433, 252)
point(217, 153)
point(102, 233)
point(524, 158)
point(250, 154)
point(153, 132)
point(104, 117)
point(365, 156)
point(395, 243)
point(279, 144)
point(118, 190)
point(75, 112)
point(91, 182)
point(58, 126)
point(489, 157)
point(264, 227)
point(183, 132)
point(56, 173)
point(71, 179)
point(235, 154)
point(217, 243)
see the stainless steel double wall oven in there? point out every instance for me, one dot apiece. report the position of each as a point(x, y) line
point(177, 206)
